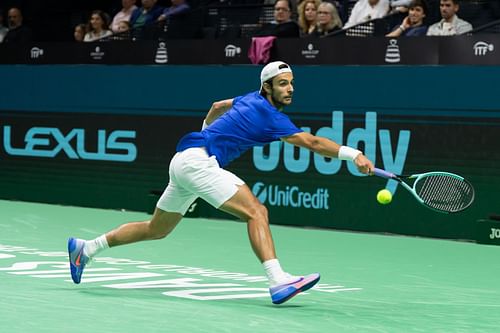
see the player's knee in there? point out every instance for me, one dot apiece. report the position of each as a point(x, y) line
point(259, 212)
point(263, 211)
point(158, 232)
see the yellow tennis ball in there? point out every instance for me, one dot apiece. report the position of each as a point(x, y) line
point(384, 197)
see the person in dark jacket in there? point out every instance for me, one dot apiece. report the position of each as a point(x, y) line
point(282, 25)
point(18, 33)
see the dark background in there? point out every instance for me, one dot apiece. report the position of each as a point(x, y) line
point(54, 20)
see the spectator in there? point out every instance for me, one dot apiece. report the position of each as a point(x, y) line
point(282, 25)
point(366, 10)
point(123, 32)
point(450, 24)
point(98, 26)
point(308, 14)
point(146, 15)
point(178, 7)
point(128, 7)
point(328, 19)
point(3, 29)
point(123, 26)
point(413, 24)
point(18, 33)
point(80, 31)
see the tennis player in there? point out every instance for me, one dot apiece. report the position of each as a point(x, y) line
point(230, 128)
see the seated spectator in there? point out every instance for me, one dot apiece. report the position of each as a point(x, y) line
point(413, 24)
point(123, 32)
point(98, 26)
point(80, 31)
point(3, 29)
point(282, 25)
point(146, 15)
point(178, 7)
point(128, 6)
point(18, 33)
point(328, 19)
point(450, 24)
point(366, 10)
point(308, 14)
point(123, 26)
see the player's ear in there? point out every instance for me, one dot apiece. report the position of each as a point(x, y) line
point(267, 88)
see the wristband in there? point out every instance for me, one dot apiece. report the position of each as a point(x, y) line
point(348, 154)
point(402, 28)
point(205, 125)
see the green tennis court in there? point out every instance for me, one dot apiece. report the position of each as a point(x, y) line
point(204, 278)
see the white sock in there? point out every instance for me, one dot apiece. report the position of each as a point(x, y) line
point(93, 247)
point(275, 273)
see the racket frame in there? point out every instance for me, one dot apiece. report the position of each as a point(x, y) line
point(417, 177)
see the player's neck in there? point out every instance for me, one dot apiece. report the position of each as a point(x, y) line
point(275, 103)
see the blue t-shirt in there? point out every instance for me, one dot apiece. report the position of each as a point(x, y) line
point(251, 121)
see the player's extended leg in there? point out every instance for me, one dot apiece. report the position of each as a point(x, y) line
point(247, 207)
point(80, 251)
point(160, 225)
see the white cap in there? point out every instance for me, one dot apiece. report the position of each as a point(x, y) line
point(272, 69)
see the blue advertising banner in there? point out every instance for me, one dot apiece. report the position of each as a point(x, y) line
point(73, 142)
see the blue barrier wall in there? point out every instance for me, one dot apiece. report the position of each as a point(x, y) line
point(151, 89)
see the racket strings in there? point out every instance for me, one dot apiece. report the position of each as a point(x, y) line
point(445, 192)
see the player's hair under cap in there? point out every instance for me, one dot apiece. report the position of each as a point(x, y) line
point(272, 69)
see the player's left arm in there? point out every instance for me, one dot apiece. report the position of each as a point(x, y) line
point(216, 110)
point(329, 148)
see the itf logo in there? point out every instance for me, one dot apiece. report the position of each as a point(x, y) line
point(232, 51)
point(481, 48)
point(36, 52)
point(291, 196)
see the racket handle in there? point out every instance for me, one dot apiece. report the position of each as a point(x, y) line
point(383, 173)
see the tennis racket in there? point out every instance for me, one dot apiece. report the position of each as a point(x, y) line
point(440, 191)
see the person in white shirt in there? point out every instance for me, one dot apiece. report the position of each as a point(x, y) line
point(450, 24)
point(3, 29)
point(123, 15)
point(98, 26)
point(365, 10)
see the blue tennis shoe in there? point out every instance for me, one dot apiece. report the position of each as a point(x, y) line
point(77, 259)
point(283, 292)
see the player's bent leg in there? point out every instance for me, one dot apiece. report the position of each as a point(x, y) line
point(248, 208)
point(283, 286)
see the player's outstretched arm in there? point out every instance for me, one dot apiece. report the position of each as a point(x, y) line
point(329, 148)
point(216, 110)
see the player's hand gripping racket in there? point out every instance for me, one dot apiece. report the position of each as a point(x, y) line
point(441, 191)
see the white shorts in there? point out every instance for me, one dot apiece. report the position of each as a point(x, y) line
point(194, 174)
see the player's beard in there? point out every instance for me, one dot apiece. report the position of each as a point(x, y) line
point(278, 104)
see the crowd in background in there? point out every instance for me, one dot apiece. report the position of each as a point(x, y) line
point(290, 18)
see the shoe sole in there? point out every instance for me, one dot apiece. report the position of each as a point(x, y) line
point(305, 287)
